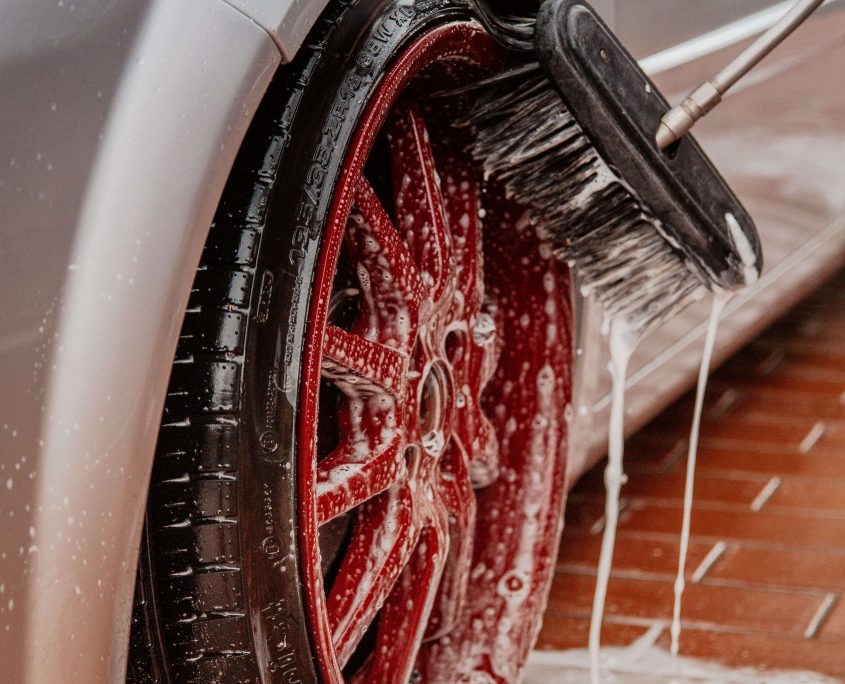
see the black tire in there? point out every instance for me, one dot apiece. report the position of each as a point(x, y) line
point(219, 596)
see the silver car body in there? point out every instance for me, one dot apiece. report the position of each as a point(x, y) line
point(120, 121)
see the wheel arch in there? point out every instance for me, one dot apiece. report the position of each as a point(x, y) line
point(185, 98)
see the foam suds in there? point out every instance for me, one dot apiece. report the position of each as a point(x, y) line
point(623, 340)
point(744, 249)
point(643, 662)
point(719, 301)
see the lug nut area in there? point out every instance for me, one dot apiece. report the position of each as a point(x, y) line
point(436, 401)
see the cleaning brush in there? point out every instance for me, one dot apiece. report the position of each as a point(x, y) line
point(569, 130)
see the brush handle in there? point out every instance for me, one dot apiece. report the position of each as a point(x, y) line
point(680, 119)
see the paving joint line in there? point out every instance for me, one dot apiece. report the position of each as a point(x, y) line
point(688, 624)
point(824, 549)
point(709, 561)
point(723, 403)
point(812, 437)
point(766, 493)
point(636, 575)
point(820, 616)
point(771, 363)
point(673, 455)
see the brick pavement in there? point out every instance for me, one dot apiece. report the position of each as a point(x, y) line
point(766, 568)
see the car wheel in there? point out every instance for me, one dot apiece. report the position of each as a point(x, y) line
point(360, 471)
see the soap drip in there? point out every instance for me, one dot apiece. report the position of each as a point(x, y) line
point(623, 340)
point(719, 301)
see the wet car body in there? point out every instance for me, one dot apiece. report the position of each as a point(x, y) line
point(121, 120)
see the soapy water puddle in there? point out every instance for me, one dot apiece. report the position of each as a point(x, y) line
point(644, 663)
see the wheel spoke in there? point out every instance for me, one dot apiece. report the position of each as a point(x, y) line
point(345, 480)
point(476, 351)
point(473, 356)
point(405, 614)
point(519, 513)
point(380, 548)
point(391, 285)
point(419, 202)
point(472, 427)
point(361, 367)
point(459, 501)
point(461, 201)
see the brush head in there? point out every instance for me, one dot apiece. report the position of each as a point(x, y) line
point(620, 109)
point(573, 141)
point(526, 139)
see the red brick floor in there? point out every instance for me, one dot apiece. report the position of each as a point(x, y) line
point(766, 567)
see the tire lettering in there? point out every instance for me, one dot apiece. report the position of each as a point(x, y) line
point(322, 155)
point(315, 176)
point(308, 215)
point(283, 654)
point(265, 296)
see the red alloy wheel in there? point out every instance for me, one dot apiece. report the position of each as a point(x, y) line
point(436, 376)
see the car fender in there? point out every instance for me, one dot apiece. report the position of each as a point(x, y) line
point(115, 287)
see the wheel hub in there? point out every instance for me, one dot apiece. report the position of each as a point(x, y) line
point(435, 412)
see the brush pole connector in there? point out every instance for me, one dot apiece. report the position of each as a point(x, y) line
point(677, 122)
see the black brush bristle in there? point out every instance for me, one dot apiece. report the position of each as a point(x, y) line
point(527, 139)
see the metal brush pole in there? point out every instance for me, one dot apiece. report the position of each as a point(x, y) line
point(679, 120)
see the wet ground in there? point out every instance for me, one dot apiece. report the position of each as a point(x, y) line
point(766, 569)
